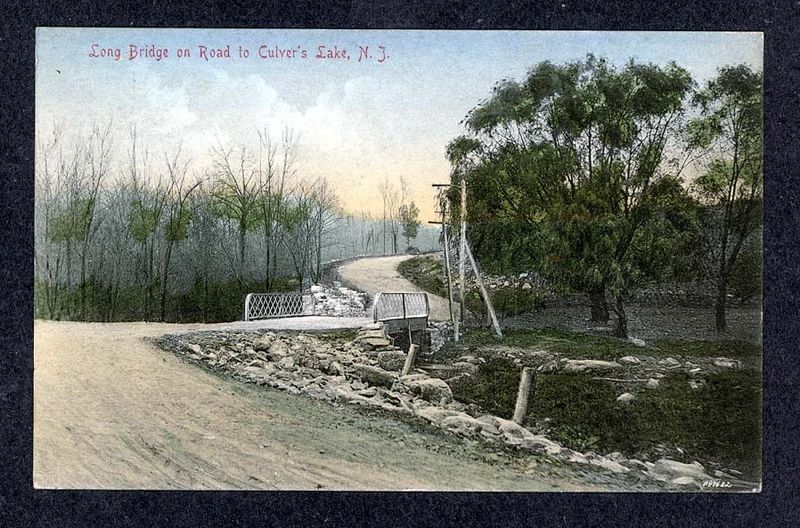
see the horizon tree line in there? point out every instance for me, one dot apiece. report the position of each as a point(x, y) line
point(122, 233)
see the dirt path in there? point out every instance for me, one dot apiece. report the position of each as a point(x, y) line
point(113, 411)
point(379, 274)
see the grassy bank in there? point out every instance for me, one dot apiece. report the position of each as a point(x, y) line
point(718, 424)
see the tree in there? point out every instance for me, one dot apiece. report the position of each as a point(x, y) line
point(275, 166)
point(409, 218)
point(179, 215)
point(729, 129)
point(235, 197)
point(568, 172)
point(148, 198)
point(324, 203)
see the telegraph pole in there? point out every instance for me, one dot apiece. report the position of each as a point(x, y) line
point(443, 210)
point(463, 246)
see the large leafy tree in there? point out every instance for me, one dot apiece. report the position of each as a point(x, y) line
point(729, 128)
point(570, 172)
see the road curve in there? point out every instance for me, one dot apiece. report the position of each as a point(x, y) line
point(112, 411)
point(379, 274)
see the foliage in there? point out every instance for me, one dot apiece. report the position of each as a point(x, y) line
point(730, 130)
point(409, 219)
point(142, 221)
point(74, 222)
point(567, 171)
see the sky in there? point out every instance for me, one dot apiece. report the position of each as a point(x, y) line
point(357, 121)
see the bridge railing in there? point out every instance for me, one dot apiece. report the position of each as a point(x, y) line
point(280, 304)
point(402, 310)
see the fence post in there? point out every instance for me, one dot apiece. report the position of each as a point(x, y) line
point(412, 354)
point(522, 395)
point(247, 307)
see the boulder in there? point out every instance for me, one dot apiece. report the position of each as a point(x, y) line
point(588, 365)
point(374, 375)
point(489, 424)
point(652, 383)
point(666, 469)
point(637, 342)
point(629, 360)
point(669, 362)
point(462, 423)
point(264, 342)
point(278, 349)
point(391, 359)
point(724, 362)
point(287, 362)
point(626, 397)
point(433, 390)
point(512, 429)
point(539, 443)
point(197, 349)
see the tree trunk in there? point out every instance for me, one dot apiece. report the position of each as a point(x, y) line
point(622, 318)
point(205, 297)
point(242, 235)
point(597, 299)
point(68, 293)
point(167, 257)
point(720, 306)
point(150, 279)
point(83, 284)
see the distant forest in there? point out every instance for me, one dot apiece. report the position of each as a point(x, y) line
point(124, 233)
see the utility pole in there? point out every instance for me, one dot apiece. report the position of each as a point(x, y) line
point(443, 211)
point(463, 247)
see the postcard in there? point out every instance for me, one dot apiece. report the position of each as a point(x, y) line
point(398, 260)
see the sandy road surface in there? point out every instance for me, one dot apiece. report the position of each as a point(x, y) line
point(379, 274)
point(113, 411)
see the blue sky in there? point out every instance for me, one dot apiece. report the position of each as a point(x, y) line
point(358, 122)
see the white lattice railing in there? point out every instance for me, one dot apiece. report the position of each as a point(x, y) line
point(392, 306)
point(269, 305)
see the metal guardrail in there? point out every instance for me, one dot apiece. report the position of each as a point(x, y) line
point(402, 310)
point(272, 305)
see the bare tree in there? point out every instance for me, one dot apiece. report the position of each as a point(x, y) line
point(276, 167)
point(148, 197)
point(178, 215)
point(235, 195)
point(324, 209)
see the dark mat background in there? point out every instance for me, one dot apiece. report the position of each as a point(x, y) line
point(20, 505)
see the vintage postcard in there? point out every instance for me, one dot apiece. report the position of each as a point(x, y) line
point(398, 260)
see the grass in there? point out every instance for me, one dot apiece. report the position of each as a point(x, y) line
point(578, 345)
point(720, 422)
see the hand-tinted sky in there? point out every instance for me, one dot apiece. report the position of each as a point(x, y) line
point(358, 122)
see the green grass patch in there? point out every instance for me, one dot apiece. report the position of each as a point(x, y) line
point(719, 422)
point(576, 345)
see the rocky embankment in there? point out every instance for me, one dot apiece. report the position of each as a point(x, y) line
point(339, 301)
point(365, 370)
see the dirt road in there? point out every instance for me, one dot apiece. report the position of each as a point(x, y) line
point(379, 274)
point(113, 411)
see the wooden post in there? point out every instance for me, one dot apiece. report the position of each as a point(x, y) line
point(453, 318)
point(462, 251)
point(484, 293)
point(412, 355)
point(522, 395)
